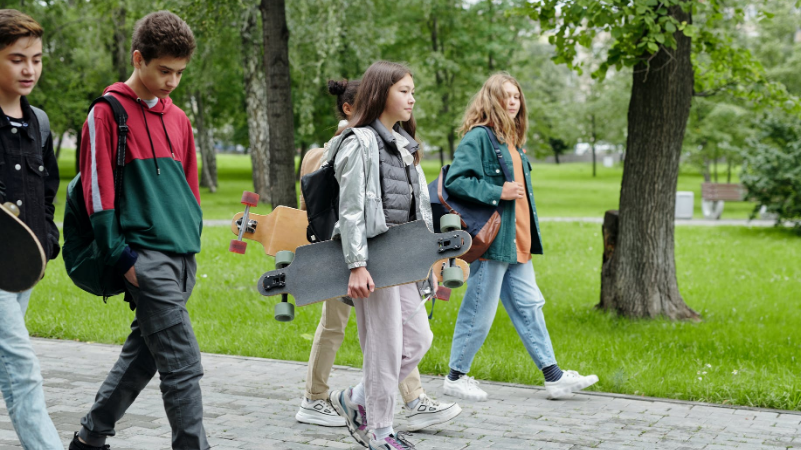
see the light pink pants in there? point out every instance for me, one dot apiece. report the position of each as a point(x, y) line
point(391, 350)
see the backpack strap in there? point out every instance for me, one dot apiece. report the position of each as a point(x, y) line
point(121, 117)
point(497, 146)
point(44, 123)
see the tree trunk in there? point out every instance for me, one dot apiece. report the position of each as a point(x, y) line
point(452, 143)
point(715, 162)
point(279, 103)
point(610, 232)
point(642, 280)
point(556, 155)
point(58, 146)
point(303, 149)
point(78, 136)
point(728, 170)
point(256, 101)
point(120, 55)
point(205, 140)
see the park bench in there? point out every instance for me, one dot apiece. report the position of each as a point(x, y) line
point(713, 196)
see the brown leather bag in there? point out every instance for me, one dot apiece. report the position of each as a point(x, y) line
point(483, 239)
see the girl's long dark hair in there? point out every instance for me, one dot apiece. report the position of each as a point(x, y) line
point(372, 97)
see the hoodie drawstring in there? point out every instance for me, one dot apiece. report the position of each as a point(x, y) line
point(161, 116)
point(153, 149)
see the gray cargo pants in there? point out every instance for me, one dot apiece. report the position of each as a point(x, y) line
point(161, 340)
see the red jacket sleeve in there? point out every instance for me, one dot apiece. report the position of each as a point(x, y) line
point(96, 159)
point(190, 161)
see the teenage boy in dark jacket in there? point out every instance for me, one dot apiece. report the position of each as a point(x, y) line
point(29, 179)
point(158, 234)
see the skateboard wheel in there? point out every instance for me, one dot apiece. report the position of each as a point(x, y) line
point(283, 259)
point(452, 277)
point(284, 312)
point(237, 247)
point(12, 208)
point(250, 198)
point(450, 222)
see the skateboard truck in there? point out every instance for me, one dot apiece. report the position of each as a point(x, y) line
point(452, 275)
point(284, 311)
point(274, 281)
point(238, 245)
point(251, 228)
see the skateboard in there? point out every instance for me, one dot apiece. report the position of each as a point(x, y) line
point(404, 254)
point(289, 235)
point(23, 261)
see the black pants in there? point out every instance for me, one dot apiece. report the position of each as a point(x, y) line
point(161, 340)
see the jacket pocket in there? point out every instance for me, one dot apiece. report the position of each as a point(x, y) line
point(374, 221)
point(34, 180)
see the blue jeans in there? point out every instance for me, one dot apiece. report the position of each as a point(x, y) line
point(516, 286)
point(21, 378)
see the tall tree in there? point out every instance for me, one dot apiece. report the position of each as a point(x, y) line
point(279, 103)
point(256, 99)
point(656, 39)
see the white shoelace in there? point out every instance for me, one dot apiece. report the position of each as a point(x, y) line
point(428, 401)
point(471, 382)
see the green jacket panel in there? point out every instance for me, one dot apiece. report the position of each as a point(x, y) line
point(476, 175)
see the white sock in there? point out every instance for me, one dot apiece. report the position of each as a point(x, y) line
point(413, 404)
point(380, 433)
point(357, 394)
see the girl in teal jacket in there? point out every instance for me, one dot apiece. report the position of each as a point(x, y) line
point(504, 271)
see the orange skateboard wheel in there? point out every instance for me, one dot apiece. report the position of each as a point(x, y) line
point(238, 246)
point(250, 198)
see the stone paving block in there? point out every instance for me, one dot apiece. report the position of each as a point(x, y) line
point(250, 404)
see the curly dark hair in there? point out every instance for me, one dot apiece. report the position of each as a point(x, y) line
point(162, 34)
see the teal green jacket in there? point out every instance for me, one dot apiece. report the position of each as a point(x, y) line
point(476, 175)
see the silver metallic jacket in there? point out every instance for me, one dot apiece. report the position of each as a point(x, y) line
point(361, 213)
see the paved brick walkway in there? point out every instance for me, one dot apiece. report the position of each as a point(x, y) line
point(250, 403)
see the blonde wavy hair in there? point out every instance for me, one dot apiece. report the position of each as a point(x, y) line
point(487, 108)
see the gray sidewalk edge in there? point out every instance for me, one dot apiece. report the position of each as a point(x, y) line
point(492, 383)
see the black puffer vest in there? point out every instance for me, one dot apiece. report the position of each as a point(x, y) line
point(400, 184)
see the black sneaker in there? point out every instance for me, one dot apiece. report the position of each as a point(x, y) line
point(78, 445)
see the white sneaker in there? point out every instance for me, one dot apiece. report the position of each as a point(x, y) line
point(319, 412)
point(466, 388)
point(429, 412)
point(570, 382)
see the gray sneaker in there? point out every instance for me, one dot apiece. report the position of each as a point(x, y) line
point(319, 412)
point(355, 416)
point(429, 412)
point(392, 442)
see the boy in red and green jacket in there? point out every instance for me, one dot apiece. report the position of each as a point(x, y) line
point(156, 238)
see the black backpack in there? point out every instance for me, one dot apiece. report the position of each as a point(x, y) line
point(83, 259)
point(321, 193)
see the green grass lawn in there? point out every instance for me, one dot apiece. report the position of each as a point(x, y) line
point(566, 190)
point(745, 282)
